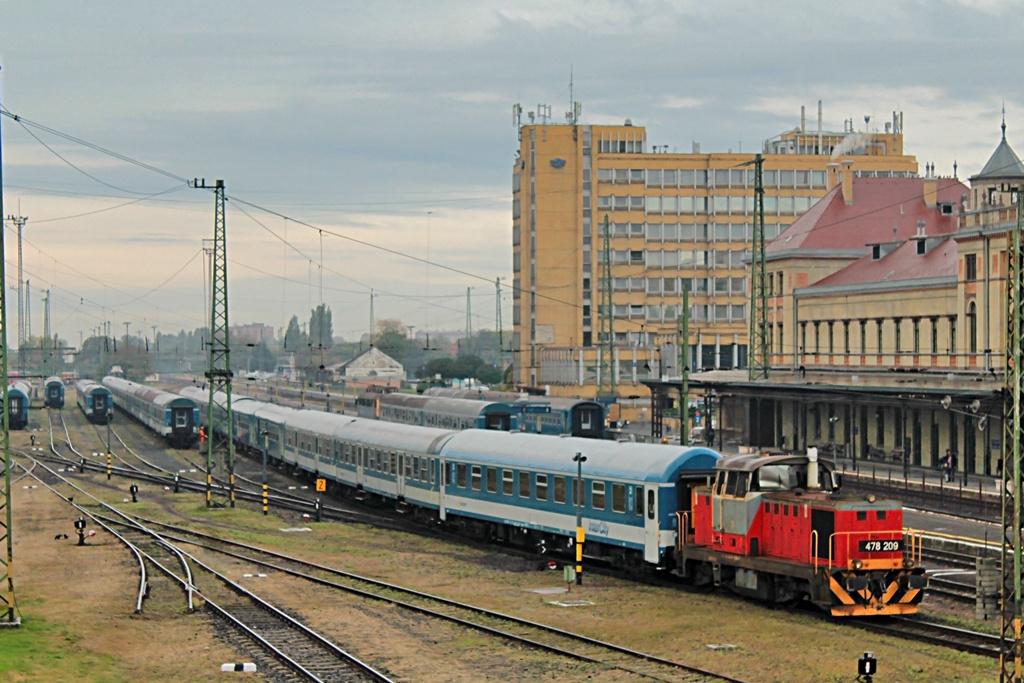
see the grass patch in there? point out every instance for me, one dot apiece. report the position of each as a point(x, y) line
point(42, 650)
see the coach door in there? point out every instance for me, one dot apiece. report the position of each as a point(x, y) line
point(441, 484)
point(404, 461)
point(651, 530)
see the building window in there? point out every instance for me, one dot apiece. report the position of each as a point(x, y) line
point(971, 267)
point(917, 335)
point(878, 324)
point(803, 337)
point(831, 336)
point(879, 427)
point(972, 328)
point(817, 340)
point(952, 334)
point(899, 337)
point(846, 336)
point(935, 335)
point(863, 336)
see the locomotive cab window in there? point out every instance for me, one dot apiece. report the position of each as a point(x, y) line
point(736, 484)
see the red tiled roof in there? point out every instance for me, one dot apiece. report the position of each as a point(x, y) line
point(904, 263)
point(878, 205)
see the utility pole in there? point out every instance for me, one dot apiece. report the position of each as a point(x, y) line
point(758, 352)
point(19, 223)
point(218, 376)
point(469, 321)
point(497, 316)
point(371, 317)
point(683, 363)
point(7, 567)
point(1011, 653)
point(606, 335)
point(45, 349)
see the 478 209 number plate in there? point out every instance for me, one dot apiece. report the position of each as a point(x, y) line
point(888, 546)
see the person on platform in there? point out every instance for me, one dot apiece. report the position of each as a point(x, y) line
point(947, 465)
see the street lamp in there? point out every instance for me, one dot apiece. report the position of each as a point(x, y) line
point(579, 459)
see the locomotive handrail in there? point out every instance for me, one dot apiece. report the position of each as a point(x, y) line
point(865, 535)
point(814, 550)
point(683, 519)
point(916, 543)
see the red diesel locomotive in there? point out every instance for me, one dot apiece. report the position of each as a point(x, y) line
point(776, 528)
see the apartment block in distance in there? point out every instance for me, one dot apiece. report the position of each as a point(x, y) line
point(676, 220)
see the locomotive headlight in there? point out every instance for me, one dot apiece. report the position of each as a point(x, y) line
point(857, 564)
point(909, 564)
point(870, 498)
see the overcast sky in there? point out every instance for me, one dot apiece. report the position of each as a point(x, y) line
point(389, 124)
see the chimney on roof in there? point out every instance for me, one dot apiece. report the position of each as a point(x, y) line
point(931, 191)
point(831, 175)
point(847, 174)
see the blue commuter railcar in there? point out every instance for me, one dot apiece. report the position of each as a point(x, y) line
point(95, 400)
point(173, 417)
point(53, 392)
point(19, 395)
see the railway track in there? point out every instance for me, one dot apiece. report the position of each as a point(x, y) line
point(285, 646)
point(495, 624)
point(934, 633)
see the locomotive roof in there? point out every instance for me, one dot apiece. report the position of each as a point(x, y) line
point(748, 462)
point(54, 379)
point(647, 462)
point(507, 397)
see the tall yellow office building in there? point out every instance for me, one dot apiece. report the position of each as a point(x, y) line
point(676, 221)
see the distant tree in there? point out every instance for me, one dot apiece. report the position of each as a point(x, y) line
point(263, 358)
point(393, 343)
point(293, 337)
point(321, 327)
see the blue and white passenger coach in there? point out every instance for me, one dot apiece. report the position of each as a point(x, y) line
point(173, 417)
point(526, 486)
point(53, 392)
point(95, 400)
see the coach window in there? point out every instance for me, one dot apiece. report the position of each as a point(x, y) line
point(507, 484)
point(492, 480)
point(394, 464)
point(460, 476)
point(542, 487)
point(560, 490)
point(408, 466)
point(476, 482)
point(618, 497)
point(415, 467)
point(597, 495)
point(639, 501)
point(650, 503)
point(524, 484)
point(432, 472)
